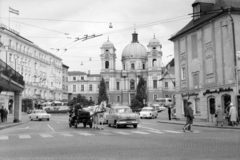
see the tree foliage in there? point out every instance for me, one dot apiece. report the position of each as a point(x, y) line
point(82, 100)
point(141, 91)
point(102, 96)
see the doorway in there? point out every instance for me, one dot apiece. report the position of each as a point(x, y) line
point(225, 99)
point(211, 104)
point(10, 106)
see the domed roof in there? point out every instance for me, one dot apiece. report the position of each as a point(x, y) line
point(134, 50)
point(108, 44)
point(154, 41)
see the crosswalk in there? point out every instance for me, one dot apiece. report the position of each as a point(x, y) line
point(97, 133)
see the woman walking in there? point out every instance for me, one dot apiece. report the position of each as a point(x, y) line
point(233, 115)
point(219, 114)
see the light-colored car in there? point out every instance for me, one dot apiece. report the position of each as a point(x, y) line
point(148, 112)
point(122, 116)
point(39, 115)
point(63, 108)
point(161, 108)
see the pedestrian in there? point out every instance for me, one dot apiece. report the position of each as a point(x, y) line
point(189, 117)
point(169, 112)
point(219, 115)
point(2, 114)
point(227, 112)
point(212, 111)
point(6, 114)
point(233, 115)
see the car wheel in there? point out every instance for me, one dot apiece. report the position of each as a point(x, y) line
point(109, 125)
point(84, 125)
point(135, 125)
point(90, 125)
point(48, 119)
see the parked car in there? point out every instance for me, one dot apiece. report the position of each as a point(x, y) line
point(122, 116)
point(39, 115)
point(148, 112)
point(63, 108)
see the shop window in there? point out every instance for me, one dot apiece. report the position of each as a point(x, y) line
point(197, 107)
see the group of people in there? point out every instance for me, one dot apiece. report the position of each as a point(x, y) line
point(230, 114)
point(3, 114)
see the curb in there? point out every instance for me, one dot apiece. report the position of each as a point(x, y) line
point(199, 125)
point(12, 125)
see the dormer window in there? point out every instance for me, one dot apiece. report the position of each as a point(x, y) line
point(196, 11)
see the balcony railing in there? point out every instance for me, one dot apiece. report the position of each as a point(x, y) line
point(11, 73)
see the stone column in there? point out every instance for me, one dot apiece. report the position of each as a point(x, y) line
point(17, 107)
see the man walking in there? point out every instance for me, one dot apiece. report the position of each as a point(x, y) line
point(2, 114)
point(169, 113)
point(6, 114)
point(189, 117)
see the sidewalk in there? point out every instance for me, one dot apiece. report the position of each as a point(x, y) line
point(199, 124)
point(10, 123)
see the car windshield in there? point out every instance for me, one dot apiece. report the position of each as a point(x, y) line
point(147, 109)
point(123, 110)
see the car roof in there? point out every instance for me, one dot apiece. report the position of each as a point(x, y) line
point(120, 107)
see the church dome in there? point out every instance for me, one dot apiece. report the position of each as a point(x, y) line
point(108, 44)
point(154, 41)
point(134, 49)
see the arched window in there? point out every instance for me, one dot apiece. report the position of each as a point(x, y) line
point(106, 65)
point(154, 63)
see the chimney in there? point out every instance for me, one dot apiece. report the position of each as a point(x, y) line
point(88, 71)
point(135, 38)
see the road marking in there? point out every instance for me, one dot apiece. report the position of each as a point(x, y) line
point(153, 131)
point(123, 133)
point(24, 136)
point(66, 134)
point(149, 123)
point(23, 128)
point(148, 128)
point(139, 132)
point(61, 122)
point(3, 137)
point(172, 131)
point(86, 134)
point(46, 135)
point(51, 128)
point(105, 133)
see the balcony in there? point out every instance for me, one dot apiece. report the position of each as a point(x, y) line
point(7, 71)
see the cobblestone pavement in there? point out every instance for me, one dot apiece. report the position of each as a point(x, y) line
point(55, 140)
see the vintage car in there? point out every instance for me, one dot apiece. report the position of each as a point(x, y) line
point(39, 114)
point(122, 116)
point(148, 112)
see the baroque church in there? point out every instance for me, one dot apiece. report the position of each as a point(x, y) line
point(122, 84)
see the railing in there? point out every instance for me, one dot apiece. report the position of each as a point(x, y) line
point(11, 73)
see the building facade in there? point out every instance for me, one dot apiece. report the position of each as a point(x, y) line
point(42, 70)
point(122, 84)
point(64, 82)
point(205, 58)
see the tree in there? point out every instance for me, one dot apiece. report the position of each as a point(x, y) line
point(102, 96)
point(80, 99)
point(141, 91)
point(135, 104)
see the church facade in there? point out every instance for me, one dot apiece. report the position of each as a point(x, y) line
point(121, 85)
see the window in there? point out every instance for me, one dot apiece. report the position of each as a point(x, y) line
point(63, 78)
point(166, 84)
point(154, 63)
point(107, 85)
point(82, 87)
point(74, 88)
point(196, 10)
point(132, 66)
point(35, 65)
point(118, 98)
point(183, 71)
point(66, 79)
point(10, 43)
point(124, 67)
point(118, 85)
point(16, 46)
point(182, 46)
point(74, 78)
point(197, 106)
point(194, 46)
point(154, 83)
point(132, 84)
point(82, 78)
point(155, 97)
point(66, 88)
point(63, 87)
point(143, 66)
point(196, 80)
point(106, 65)
point(90, 87)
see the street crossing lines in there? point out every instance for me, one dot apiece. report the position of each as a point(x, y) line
point(172, 131)
point(66, 134)
point(155, 131)
point(123, 133)
point(105, 133)
point(85, 134)
point(139, 132)
point(24, 136)
point(3, 137)
point(46, 135)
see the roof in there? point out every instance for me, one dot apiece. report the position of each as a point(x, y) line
point(94, 75)
point(65, 66)
point(134, 50)
point(219, 4)
point(75, 73)
point(108, 44)
point(171, 63)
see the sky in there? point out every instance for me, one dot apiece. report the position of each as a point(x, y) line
point(55, 24)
